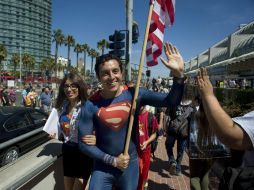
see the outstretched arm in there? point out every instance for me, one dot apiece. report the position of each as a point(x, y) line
point(225, 128)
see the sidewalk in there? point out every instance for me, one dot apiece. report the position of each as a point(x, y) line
point(159, 177)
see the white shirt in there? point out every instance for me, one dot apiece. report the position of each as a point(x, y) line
point(247, 124)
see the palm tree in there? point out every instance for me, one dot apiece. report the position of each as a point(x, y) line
point(69, 41)
point(58, 38)
point(52, 66)
point(93, 53)
point(15, 61)
point(60, 67)
point(78, 49)
point(28, 62)
point(25, 61)
point(85, 49)
point(31, 65)
point(44, 67)
point(102, 45)
point(3, 55)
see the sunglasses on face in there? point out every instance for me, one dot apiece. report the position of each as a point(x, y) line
point(72, 86)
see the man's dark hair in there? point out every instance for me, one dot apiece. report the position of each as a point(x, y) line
point(104, 58)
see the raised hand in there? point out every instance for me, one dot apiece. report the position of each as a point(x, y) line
point(174, 60)
point(204, 84)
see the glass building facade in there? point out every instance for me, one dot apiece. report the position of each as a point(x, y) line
point(25, 27)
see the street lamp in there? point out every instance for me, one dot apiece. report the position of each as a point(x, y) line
point(129, 22)
point(20, 68)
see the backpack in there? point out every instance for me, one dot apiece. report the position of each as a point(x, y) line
point(28, 101)
point(179, 125)
point(154, 143)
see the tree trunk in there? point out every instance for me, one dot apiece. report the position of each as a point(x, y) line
point(0, 70)
point(56, 57)
point(26, 73)
point(56, 52)
point(92, 67)
point(69, 62)
point(77, 60)
point(15, 69)
point(85, 63)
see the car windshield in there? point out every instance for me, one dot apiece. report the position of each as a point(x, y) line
point(8, 110)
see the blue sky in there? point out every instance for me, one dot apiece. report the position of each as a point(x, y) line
point(199, 24)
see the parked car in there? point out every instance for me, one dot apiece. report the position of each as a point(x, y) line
point(20, 131)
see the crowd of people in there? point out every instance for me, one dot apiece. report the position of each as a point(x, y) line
point(30, 97)
point(93, 125)
point(233, 83)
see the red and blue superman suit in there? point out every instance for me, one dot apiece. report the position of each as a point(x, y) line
point(109, 118)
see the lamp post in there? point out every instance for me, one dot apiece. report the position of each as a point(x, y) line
point(20, 68)
point(129, 21)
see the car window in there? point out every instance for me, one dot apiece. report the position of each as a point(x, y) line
point(19, 121)
point(38, 117)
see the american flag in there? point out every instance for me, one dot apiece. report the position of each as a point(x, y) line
point(162, 15)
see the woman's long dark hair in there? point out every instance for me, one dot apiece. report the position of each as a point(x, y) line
point(77, 80)
point(205, 131)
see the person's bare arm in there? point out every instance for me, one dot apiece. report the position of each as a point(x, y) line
point(228, 132)
point(161, 119)
point(148, 141)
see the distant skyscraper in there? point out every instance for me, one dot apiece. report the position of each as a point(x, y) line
point(26, 24)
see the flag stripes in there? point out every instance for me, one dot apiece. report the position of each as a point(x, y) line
point(162, 15)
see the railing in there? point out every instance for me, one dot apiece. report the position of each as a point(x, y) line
point(39, 169)
point(20, 138)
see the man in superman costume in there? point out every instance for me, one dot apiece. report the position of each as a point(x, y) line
point(108, 113)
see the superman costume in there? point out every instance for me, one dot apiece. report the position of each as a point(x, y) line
point(110, 118)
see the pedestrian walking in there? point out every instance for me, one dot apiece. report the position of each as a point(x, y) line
point(12, 96)
point(45, 99)
point(147, 133)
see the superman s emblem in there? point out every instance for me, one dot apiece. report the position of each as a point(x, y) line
point(115, 115)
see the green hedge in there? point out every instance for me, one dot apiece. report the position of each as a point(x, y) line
point(245, 96)
point(235, 101)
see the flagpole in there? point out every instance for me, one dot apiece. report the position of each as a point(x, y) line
point(141, 63)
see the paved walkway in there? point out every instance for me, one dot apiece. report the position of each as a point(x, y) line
point(159, 177)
